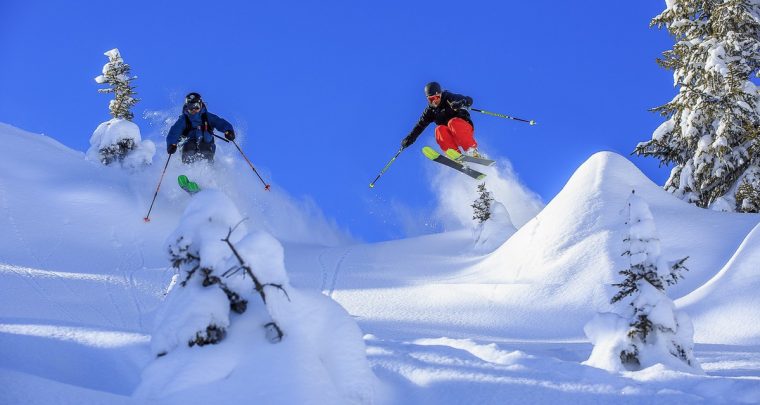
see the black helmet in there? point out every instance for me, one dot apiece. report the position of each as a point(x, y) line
point(192, 98)
point(432, 88)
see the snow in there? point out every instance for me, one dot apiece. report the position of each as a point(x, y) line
point(455, 193)
point(428, 320)
point(112, 132)
point(495, 231)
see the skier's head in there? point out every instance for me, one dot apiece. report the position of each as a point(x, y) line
point(193, 102)
point(433, 93)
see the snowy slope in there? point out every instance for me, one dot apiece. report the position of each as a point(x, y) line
point(83, 277)
point(548, 279)
point(725, 308)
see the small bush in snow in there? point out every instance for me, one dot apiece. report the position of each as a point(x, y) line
point(230, 294)
point(650, 330)
point(482, 206)
point(186, 258)
point(493, 224)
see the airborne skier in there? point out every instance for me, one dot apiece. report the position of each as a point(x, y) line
point(454, 128)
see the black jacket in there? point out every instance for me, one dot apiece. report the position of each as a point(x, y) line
point(442, 114)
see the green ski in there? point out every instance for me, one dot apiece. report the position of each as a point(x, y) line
point(458, 157)
point(437, 157)
point(187, 185)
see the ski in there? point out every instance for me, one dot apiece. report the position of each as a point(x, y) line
point(458, 157)
point(190, 186)
point(437, 157)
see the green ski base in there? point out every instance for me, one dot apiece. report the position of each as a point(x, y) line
point(437, 157)
point(187, 185)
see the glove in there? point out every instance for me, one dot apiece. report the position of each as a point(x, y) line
point(230, 135)
point(407, 142)
point(170, 149)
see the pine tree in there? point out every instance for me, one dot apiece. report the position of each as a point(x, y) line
point(645, 281)
point(711, 134)
point(110, 144)
point(482, 206)
point(116, 74)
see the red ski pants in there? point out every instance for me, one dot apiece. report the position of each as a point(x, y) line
point(457, 134)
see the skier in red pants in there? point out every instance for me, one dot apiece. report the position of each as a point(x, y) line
point(454, 128)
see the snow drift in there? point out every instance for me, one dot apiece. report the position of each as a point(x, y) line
point(232, 319)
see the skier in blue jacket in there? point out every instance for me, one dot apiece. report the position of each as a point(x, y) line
point(196, 126)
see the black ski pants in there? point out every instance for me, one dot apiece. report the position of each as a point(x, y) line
point(195, 150)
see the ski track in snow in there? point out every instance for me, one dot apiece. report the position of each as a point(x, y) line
point(333, 281)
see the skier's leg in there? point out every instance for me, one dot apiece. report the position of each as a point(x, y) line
point(189, 149)
point(445, 138)
point(462, 133)
point(207, 150)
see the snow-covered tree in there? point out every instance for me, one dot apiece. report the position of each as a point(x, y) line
point(713, 123)
point(119, 140)
point(116, 74)
point(648, 330)
point(215, 278)
point(482, 206)
point(492, 222)
point(229, 301)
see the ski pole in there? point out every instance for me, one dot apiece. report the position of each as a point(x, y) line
point(222, 138)
point(372, 185)
point(147, 217)
point(266, 186)
point(531, 122)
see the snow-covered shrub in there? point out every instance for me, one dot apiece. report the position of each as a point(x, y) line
point(711, 131)
point(232, 318)
point(493, 225)
point(118, 140)
point(647, 330)
point(481, 208)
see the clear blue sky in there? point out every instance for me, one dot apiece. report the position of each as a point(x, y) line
point(326, 90)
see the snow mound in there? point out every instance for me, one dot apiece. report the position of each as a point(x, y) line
point(570, 253)
point(725, 308)
point(232, 319)
point(492, 233)
point(109, 135)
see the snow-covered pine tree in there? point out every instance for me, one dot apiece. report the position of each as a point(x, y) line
point(482, 206)
point(654, 320)
point(711, 134)
point(116, 74)
point(113, 140)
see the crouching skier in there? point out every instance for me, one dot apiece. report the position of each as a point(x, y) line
point(196, 127)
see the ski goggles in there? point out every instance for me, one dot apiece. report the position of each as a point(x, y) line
point(434, 97)
point(194, 107)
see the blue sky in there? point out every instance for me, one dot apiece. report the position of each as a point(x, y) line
point(326, 90)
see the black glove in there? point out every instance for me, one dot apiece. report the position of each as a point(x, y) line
point(170, 149)
point(230, 135)
point(407, 142)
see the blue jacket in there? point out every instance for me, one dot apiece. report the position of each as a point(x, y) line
point(196, 132)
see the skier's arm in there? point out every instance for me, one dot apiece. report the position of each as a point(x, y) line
point(425, 120)
point(457, 101)
point(219, 123)
point(172, 138)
